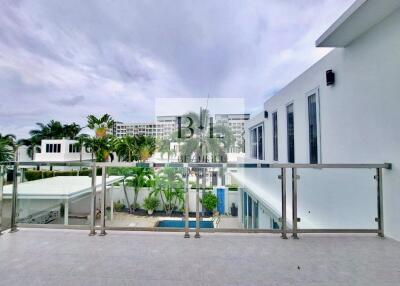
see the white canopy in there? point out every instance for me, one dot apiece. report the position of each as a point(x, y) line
point(59, 187)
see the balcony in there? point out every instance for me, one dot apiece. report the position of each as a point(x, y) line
point(71, 257)
point(330, 216)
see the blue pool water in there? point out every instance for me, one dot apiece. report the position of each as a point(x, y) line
point(181, 224)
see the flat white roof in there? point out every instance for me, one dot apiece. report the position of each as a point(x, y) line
point(355, 21)
point(60, 187)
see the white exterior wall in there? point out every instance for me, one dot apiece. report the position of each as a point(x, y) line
point(358, 124)
point(64, 155)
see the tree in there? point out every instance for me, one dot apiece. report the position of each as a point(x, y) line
point(100, 125)
point(145, 146)
point(164, 147)
point(140, 178)
point(8, 139)
point(102, 144)
point(33, 145)
point(100, 147)
point(71, 131)
point(169, 187)
point(6, 151)
point(125, 148)
point(201, 144)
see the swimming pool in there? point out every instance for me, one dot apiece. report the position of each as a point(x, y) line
point(181, 224)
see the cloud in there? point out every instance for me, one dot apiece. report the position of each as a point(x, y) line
point(66, 59)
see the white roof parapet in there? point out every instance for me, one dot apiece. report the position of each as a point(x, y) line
point(355, 21)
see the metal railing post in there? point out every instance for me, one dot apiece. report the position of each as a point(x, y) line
point(14, 199)
point(103, 200)
point(93, 202)
point(1, 196)
point(197, 235)
point(294, 202)
point(379, 186)
point(282, 177)
point(187, 235)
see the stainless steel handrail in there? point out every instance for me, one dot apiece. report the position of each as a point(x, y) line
point(202, 166)
point(260, 164)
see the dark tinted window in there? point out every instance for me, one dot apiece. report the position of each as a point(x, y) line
point(290, 133)
point(312, 129)
point(275, 134)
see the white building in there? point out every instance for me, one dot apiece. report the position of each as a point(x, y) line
point(236, 124)
point(61, 150)
point(162, 128)
point(353, 120)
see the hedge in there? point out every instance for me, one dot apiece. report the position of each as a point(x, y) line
point(32, 175)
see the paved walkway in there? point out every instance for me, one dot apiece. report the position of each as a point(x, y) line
point(70, 257)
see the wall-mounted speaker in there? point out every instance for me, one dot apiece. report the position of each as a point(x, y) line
point(330, 77)
point(265, 114)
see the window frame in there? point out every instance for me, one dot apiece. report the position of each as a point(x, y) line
point(318, 121)
point(275, 143)
point(291, 103)
point(257, 143)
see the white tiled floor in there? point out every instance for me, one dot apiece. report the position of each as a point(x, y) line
point(71, 257)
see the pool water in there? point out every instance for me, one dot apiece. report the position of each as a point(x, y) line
point(181, 224)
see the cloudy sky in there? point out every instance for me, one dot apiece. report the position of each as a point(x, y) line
point(64, 59)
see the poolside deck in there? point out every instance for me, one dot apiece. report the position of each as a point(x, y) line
point(71, 257)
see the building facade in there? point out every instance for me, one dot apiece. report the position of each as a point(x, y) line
point(235, 122)
point(164, 126)
point(61, 150)
point(343, 109)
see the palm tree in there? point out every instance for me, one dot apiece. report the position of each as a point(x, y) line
point(146, 146)
point(169, 186)
point(33, 145)
point(125, 148)
point(102, 144)
point(101, 147)
point(201, 144)
point(6, 151)
point(71, 131)
point(164, 147)
point(100, 125)
point(81, 143)
point(140, 178)
point(8, 138)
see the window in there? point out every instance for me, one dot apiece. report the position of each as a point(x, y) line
point(74, 148)
point(256, 142)
point(275, 135)
point(53, 148)
point(290, 132)
point(312, 129)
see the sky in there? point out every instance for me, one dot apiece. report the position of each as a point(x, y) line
point(64, 60)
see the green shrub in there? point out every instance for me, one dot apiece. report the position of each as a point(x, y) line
point(232, 187)
point(209, 201)
point(151, 203)
point(118, 206)
point(32, 175)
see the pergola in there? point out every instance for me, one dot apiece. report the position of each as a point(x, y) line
point(63, 188)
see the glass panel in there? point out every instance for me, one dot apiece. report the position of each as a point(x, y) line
point(290, 133)
point(337, 198)
point(260, 143)
point(264, 204)
point(6, 181)
point(312, 128)
point(54, 194)
point(151, 197)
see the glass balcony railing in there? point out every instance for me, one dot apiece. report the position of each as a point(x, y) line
point(193, 197)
